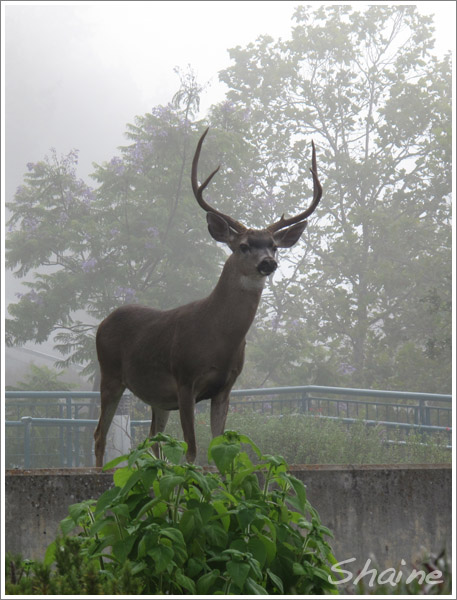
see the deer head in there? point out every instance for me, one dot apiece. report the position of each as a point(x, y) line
point(254, 249)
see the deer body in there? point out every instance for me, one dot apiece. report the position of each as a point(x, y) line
point(150, 348)
point(172, 359)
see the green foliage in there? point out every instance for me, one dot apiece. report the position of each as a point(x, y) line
point(311, 439)
point(73, 573)
point(238, 528)
point(241, 528)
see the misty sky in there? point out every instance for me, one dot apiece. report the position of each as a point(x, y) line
point(75, 75)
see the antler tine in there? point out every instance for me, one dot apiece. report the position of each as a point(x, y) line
point(317, 195)
point(198, 189)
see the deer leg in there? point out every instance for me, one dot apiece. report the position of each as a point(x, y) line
point(111, 391)
point(219, 409)
point(186, 404)
point(158, 423)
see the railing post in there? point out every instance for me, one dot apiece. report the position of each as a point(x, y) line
point(27, 441)
point(69, 436)
point(76, 437)
point(304, 402)
point(427, 413)
point(421, 412)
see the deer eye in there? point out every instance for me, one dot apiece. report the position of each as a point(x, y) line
point(244, 248)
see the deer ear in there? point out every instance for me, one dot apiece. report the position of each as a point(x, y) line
point(219, 228)
point(290, 236)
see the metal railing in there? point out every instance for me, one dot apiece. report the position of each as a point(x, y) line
point(66, 413)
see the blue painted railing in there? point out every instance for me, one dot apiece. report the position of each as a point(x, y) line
point(411, 411)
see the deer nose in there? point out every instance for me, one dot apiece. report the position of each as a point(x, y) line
point(267, 266)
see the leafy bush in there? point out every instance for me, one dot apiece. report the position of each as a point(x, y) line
point(74, 573)
point(167, 528)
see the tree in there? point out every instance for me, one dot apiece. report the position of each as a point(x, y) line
point(365, 299)
point(137, 237)
point(367, 88)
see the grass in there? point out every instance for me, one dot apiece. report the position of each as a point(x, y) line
point(306, 439)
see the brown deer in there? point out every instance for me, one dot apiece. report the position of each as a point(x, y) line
point(174, 358)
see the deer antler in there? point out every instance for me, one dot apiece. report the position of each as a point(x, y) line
point(198, 189)
point(317, 195)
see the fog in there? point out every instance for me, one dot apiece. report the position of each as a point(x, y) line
point(76, 75)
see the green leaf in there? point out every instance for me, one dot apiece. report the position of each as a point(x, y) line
point(185, 582)
point(238, 571)
point(275, 461)
point(173, 452)
point(148, 540)
point(318, 572)
point(244, 439)
point(113, 463)
point(147, 507)
point(136, 476)
point(168, 483)
point(79, 511)
point(230, 497)
point(202, 481)
point(245, 517)
point(300, 491)
point(222, 513)
point(216, 534)
point(269, 545)
point(67, 525)
point(297, 569)
point(122, 475)
point(50, 553)
point(162, 556)
point(252, 587)
point(121, 549)
point(187, 524)
point(276, 580)
point(195, 566)
point(205, 510)
point(121, 510)
point(241, 476)
point(325, 531)
point(174, 535)
point(223, 455)
point(206, 582)
point(255, 567)
point(103, 525)
point(106, 499)
point(258, 550)
point(160, 508)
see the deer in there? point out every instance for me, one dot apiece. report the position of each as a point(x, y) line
point(173, 359)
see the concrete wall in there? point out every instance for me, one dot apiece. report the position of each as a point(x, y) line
point(389, 512)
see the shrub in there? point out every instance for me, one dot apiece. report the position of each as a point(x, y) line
point(171, 528)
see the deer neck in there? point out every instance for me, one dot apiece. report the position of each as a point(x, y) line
point(235, 298)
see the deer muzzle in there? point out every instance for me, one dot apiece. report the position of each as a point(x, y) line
point(267, 266)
